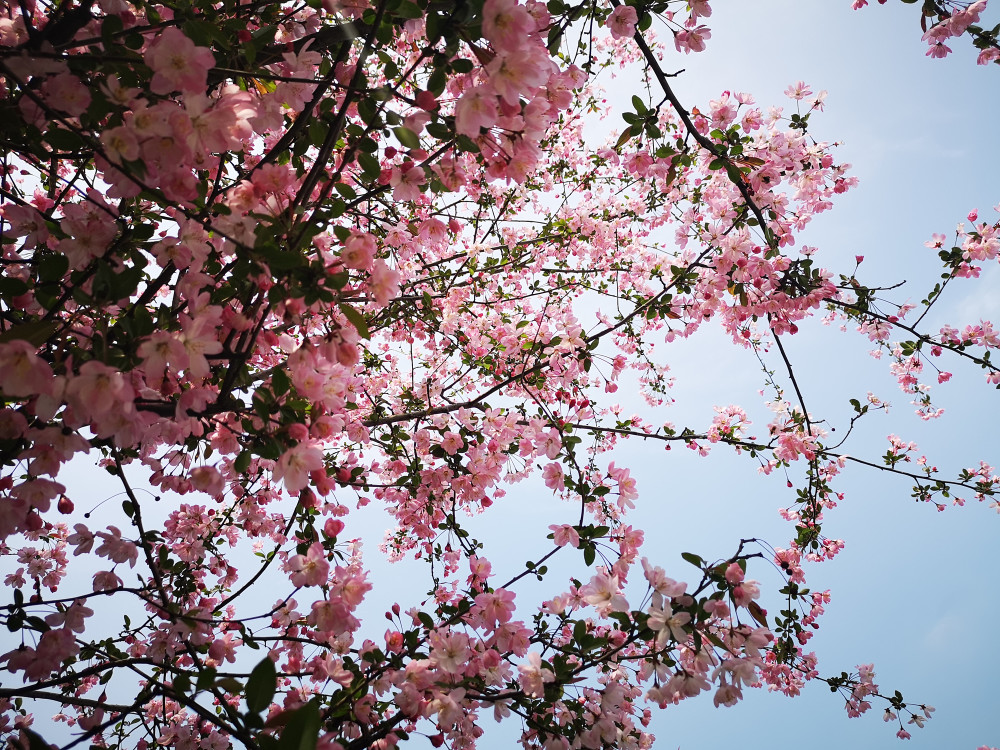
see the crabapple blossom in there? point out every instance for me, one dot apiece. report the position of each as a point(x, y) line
point(333, 262)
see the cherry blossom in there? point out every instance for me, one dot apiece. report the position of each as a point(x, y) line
point(324, 262)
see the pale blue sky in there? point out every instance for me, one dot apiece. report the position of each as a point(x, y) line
point(914, 591)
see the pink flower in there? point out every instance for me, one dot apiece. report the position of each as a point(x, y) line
point(296, 463)
point(534, 676)
point(72, 618)
point(406, 181)
point(554, 479)
point(178, 65)
point(106, 580)
point(692, 40)
point(207, 479)
point(97, 391)
point(798, 91)
point(83, 539)
point(66, 93)
point(115, 548)
point(310, 569)
point(201, 337)
point(22, 372)
point(938, 51)
point(384, 283)
point(120, 144)
point(24, 221)
point(666, 622)
point(603, 594)
point(476, 109)
point(162, 351)
point(359, 251)
point(622, 21)
point(988, 55)
point(515, 73)
point(506, 24)
point(564, 534)
point(452, 443)
point(450, 651)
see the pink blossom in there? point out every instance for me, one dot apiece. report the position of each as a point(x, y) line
point(452, 443)
point(450, 650)
point(115, 548)
point(310, 569)
point(178, 65)
point(383, 283)
point(622, 21)
point(565, 534)
point(798, 91)
point(22, 372)
point(207, 479)
point(97, 391)
point(359, 251)
point(24, 221)
point(692, 40)
point(296, 463)
point(554, 478)
point(513, 74)
point(476, 109)
point(506, 24)
point(406, 181)
point(533, 675)
point(603, 593)
point(988, 55)
point(66, 93)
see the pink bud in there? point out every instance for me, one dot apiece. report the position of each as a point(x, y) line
point(333, 527)
point(427, 101)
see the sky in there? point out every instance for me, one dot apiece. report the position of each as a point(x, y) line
point(914, 591)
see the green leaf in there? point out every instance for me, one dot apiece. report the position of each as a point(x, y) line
point(357, 320)
point(369, 165)
point(439, 130)
point(407, 137)
point(11, 287)
point(279, 259)
point(37, 332)
point(52, 267)
point(64, 140)
point(408, 10)
point(261, 686)
point(230, 685)
point(35, 741)
point(693, 559)
point(242, 462)
point(302, 730)
point(757, 613)
point(182, 684)
point(623, 139)
point(715, 640)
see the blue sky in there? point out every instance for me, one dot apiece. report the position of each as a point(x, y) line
point(914, 590)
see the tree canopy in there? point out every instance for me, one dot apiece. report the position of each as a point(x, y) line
point(277, 261)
